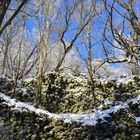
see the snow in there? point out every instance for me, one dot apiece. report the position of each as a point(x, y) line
point(127, 93)
point(11, 102)
point(76, 78)
point(105, 103)
point(85, 119)
point(28, 80)
point(118, 80)
point(77, 91)
point(124, 80)
point(135, 100)
point(137, 119)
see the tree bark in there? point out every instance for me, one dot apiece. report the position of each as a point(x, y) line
point(4, 61)
point(57, 68)
point(134, 66)
point(4, 4)
point(8, 22)
point(134, 60)
point(42, 56)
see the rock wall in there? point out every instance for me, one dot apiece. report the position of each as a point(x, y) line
point(16, 125)
point(71, 94)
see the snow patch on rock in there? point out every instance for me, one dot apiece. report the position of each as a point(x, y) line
point(85, 119)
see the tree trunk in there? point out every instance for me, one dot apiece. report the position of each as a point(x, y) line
point(3, 72)
point(39, 89)
point(134, 66)
point(134, 60)
point(135, 69)
point(89, 59)
point(90, 68)
point(57, 68)
point(39, 76)
point(3, 8)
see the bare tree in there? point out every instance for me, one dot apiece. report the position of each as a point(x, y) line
point(83, 16)
point(4, 4)
point(17, 53)
point(42, 57)
point(44, 27)
point(126, 34)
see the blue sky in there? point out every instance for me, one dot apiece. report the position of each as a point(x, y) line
point(97, 30)
point(31, 25)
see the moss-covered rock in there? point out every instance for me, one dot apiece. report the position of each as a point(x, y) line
point(62, 93)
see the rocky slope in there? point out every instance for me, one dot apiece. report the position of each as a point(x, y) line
point(68, 109)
